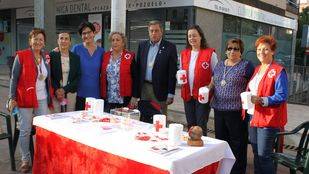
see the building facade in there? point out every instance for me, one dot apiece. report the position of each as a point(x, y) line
point(303, 4)
point(220, 20)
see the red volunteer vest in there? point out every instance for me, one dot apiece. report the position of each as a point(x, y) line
point(125, 81)
point(271, 116)
point(26, 85)
point(202, 72)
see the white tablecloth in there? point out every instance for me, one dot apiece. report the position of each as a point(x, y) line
point(122, 143)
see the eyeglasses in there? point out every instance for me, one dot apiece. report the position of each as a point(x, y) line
point(235, 49)
point(86, 32)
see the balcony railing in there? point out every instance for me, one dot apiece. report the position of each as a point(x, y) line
point(292, 6)
point(293, 3)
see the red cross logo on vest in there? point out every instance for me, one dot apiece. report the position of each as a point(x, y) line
point(158, 126)
point(183, 78)
point(87, 106)
point(205, 65)
point(271, 73)
point(201, 97)
point(127, 56)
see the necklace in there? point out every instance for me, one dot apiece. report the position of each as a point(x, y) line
point(40, 75)
point(37, 60)
point(225, 72)
point(65, 54)
point(116, 56)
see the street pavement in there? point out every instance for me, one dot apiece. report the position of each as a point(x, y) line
point(296, 115)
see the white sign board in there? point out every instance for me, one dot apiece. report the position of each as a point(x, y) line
point(230, 7)
point(245, 11)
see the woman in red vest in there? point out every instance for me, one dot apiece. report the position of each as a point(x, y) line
point(30, 89)
point(118, 74)
point(269, 89)
point(199, 62)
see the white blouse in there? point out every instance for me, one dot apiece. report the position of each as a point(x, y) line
point(253, 86)
point(193, 58)
point(41, 92)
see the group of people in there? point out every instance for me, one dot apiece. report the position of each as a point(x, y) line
point(63, 79)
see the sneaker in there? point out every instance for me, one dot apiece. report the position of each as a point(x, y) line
point(25, 167)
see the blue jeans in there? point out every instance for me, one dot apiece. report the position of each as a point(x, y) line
point(25, 120)
point(262, 140)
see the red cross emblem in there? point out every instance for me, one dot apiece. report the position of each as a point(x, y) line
point(127, 56)
point(158, 126)
point(87, 106)
point(201, 97)
point(205, 65)
point(183, 78)
point(271, 73)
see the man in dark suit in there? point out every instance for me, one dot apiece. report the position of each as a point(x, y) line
point(157, 66)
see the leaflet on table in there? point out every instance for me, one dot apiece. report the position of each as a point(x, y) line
point(57, 116)
point(164, 149)
point(109, 128)
point(63, 115)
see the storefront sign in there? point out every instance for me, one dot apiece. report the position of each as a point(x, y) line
point(7, 4)
point(230, 7)
point(245, 11)
point(64, 7)
point(81, 6)
point(143, 4)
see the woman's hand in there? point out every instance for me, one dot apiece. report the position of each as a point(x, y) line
point(59, 94)
point(256, 100)
point(12, 104)
point(56, 49)
point(169, 100)
point(211, 85)
point(133, 103)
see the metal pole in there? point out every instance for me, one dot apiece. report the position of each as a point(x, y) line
point(118, 16)
point(45, 18)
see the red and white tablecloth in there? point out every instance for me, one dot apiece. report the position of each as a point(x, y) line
point(66, 147)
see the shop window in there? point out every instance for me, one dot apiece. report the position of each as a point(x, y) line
point(254, 28)
point(70, 23)
point(24, 26)
point(178, 18)
point(5, 36)
point(249, 31)
point(231, 24)
point(176, 25)
point(137, 25)
point(284, 46)
point(231, 29)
